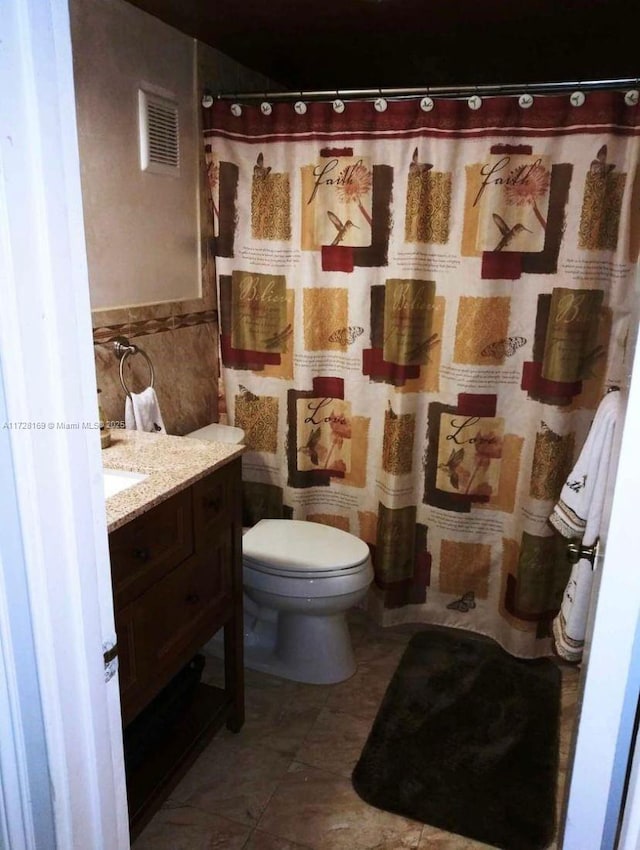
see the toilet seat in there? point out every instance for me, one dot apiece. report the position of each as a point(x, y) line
point(302, 573)
point(303, 550)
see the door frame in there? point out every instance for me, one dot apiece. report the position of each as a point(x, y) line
point(611, 668)
point(46, 358)
point(57, 527)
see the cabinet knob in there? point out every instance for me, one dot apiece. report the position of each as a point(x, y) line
point(192, 599)
point(142, 554)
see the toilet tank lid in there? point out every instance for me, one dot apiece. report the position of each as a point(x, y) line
point(218, 433)
point(299, 544)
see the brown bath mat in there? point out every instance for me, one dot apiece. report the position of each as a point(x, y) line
point(466, 739)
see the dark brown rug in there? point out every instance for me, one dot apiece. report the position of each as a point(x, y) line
point(466, 739)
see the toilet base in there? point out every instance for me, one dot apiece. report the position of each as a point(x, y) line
point(299, 647)
point(316, 650)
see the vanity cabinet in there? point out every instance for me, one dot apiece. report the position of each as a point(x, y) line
point(177, 580)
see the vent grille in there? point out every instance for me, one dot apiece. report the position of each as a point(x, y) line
point(159, 134)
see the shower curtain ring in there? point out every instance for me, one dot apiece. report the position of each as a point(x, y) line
point(426, 102)
point(632, 96)
point(380, 104)
point(578, 97)
point(475, 101)
point(526, 100)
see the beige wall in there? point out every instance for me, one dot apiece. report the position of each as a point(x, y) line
point(115, 45)
point(141, 228)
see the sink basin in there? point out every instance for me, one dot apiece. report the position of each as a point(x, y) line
point(116, 480)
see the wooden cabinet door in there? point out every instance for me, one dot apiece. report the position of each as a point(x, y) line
point(183, 610)
point(128, 668)
point(177, 580)
point(213, 505)
point(150, 545)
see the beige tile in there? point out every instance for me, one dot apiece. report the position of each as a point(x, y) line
point(178, 307)
point(381, 653)
point(185, 366)
point(560, 797)
point(310, 804)
point(207, 301)
point(335, 742)
point(316, 808)
point(437, 839)
point(260, 840)
point(232, 780)
point(361, 695)
point(379, 641)
point(571, 677)
point(298, 692)
point(405, 631)
point(375, 632)
point(571, 689)
point(276, 723)
point(112, 395)
point(187, 828)
point(147, 312)
point(568, 713)
point(104, 318)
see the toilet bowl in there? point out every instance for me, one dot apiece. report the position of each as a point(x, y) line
point(302, 577)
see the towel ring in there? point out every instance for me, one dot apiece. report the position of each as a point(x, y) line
point(123, 350)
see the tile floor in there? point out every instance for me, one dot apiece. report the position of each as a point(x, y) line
point(283, 783)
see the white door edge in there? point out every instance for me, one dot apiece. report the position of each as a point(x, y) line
point(630, 826)
point(611, 675)
point(47, 362)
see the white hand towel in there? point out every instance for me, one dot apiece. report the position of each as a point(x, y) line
point(578, 516)
point(142, 412)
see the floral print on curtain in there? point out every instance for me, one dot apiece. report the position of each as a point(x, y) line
point(419, 314)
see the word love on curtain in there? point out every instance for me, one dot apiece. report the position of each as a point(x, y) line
point(419, 314)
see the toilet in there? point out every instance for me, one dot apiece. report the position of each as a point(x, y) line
point(300, 578)
point(218, 433)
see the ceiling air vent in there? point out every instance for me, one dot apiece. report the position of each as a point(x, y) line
point(159, 134)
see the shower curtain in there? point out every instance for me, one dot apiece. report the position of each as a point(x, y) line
point(421, 304)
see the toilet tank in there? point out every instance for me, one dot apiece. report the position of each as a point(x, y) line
point(218, 433)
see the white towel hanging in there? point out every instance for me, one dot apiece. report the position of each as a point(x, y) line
point(578, 516)
point(142, 412)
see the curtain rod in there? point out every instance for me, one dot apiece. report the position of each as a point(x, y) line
point(432, 91)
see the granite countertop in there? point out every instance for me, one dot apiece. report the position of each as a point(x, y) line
point(172, 463)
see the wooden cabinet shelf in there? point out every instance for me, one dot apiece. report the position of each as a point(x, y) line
point(177, 580)
point(150, 782)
